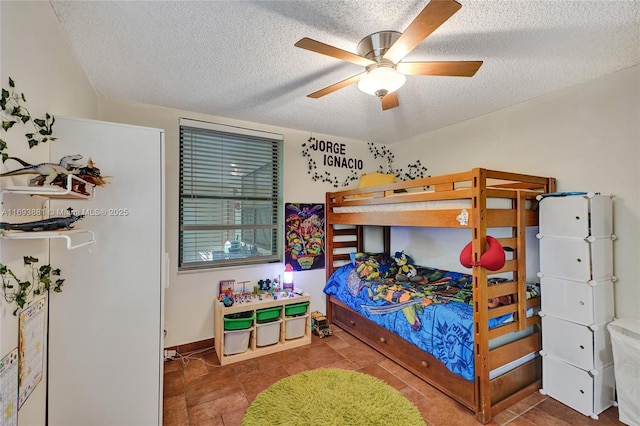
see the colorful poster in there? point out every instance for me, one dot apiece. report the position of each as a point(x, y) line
point(31, 348)
point(304, 236)
point(9, 389)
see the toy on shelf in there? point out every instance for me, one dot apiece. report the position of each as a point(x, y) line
point(226, 287)
point(55, 174)
point(50, 224)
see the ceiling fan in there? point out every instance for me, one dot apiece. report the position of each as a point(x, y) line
point(381, 53)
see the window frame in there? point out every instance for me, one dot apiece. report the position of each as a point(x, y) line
point(275, 200)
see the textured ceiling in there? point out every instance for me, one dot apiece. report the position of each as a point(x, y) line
point(237, 59)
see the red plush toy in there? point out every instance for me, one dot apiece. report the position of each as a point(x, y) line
point(493, 259)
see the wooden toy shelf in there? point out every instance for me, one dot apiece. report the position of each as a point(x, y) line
point(253, 350)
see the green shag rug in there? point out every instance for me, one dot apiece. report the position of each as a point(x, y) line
point(332, 397)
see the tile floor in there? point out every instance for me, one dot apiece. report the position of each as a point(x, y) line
point(201, 392)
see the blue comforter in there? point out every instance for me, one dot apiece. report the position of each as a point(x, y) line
point(444, 328)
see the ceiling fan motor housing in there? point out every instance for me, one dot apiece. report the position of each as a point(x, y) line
point(375, 45)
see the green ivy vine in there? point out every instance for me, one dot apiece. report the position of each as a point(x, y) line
point(414, 171)
point(42, 280)
point(15, 112)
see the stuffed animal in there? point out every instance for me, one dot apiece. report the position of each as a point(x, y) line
point(405, 270)
point(371, 266)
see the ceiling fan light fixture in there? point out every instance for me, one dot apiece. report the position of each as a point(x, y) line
point(381, 81)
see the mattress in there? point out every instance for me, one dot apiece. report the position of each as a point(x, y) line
point(443, 328)
point(492, 203)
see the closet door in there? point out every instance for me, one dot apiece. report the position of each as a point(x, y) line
point(105, 328)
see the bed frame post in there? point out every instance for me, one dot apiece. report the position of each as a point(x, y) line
point(386, 236)
point(328, 238)
point(480, 310)
point(521, 244)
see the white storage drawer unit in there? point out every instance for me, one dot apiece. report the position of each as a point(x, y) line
point(576, 344)
point(574, 301)
point(587, 392)
point(577, 258)
point(576, 286)
point(577, 216)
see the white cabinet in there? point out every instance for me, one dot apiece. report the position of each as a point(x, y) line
point(576, 280)
point(105, 359)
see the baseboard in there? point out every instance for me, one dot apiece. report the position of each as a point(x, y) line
point(193, 346)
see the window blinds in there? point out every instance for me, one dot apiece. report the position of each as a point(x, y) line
point(229, 195)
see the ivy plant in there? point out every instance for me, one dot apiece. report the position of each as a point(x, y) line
point(14, 112)
point(414, 170)
point(43, 279)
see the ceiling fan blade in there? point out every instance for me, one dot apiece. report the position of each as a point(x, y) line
point(337, 86)
point(446, 68)
point(390, 101)
point(334, 52)
point(431, 17)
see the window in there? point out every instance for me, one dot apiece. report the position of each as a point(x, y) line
point(230, 184)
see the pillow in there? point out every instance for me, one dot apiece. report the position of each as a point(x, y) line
point(374, 179)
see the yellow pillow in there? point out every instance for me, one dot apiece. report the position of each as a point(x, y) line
point(375, 179)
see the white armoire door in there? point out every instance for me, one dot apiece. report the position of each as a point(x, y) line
point(105, 328)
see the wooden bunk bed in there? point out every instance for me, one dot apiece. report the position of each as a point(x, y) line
point(476, 187)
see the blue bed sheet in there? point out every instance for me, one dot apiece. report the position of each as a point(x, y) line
point(444, 328)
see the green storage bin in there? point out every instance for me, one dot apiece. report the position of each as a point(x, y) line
point(238, 321)
point(268, 314)
point(297, 309)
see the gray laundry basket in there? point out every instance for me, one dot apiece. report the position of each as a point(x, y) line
point(625, 342)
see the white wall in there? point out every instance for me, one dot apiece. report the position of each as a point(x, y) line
point(586, 136)
point(190, 296)
point(35, 53)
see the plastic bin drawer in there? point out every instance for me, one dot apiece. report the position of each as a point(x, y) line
point(296, 309)
point(236, 341)
point(268, 314)
point(268, 333)
point(238, 321)
point(295, 327)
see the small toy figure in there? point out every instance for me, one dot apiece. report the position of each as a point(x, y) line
point(265, 285)
point(227, 301)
